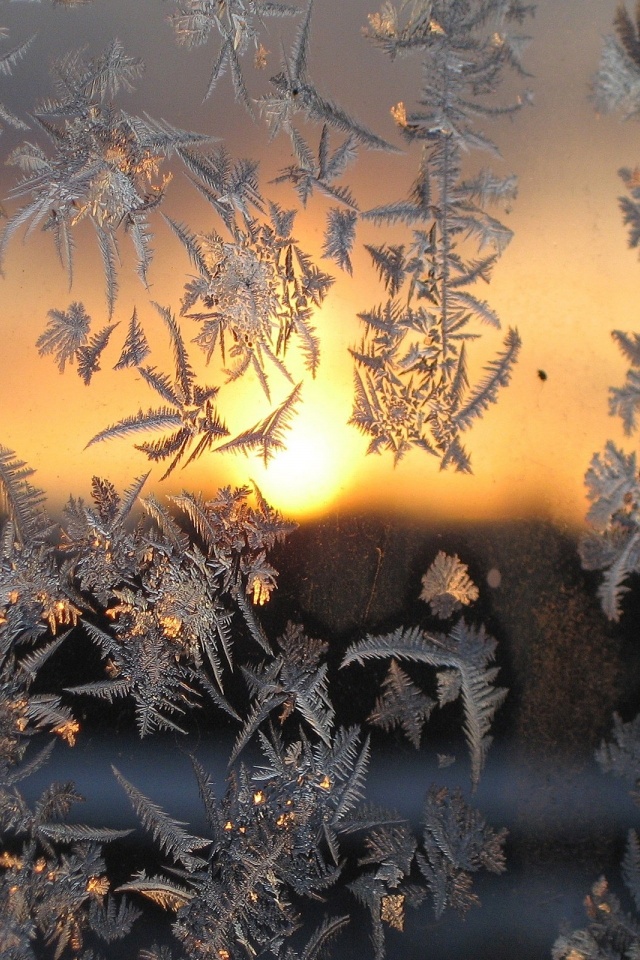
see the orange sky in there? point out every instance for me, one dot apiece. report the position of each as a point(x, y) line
point(565, 281)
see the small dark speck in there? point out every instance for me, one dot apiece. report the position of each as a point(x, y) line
point(542, 375)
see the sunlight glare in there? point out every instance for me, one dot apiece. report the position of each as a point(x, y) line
point(312, 472)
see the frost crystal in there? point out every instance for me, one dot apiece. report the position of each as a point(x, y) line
point(446, 586)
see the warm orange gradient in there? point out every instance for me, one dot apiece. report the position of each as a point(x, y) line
point(565, 281)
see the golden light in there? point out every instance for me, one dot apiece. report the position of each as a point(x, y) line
point(98, 886)
point(304, 478)
point(68, 731)
point(9, 861)
point(317, 465)
point(566, 279)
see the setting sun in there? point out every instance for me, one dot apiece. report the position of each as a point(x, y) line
point(312, 472)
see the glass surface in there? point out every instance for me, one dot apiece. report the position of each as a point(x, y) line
point(368, 530)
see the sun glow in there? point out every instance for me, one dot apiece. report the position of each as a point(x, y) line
point(564, 282)
point(306, 477)
point(314, 470)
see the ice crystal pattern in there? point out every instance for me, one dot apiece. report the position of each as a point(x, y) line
point(105, 165)
point(613, 544)
point(612, 932)
point(256, 290)
point(188, 411)
point(8, 60)
point(612, 480)
point(255, 293)
point(411, 366)
point(165, 599)
point(169, 596)
point(67, 338)
point(616, 85)
point(446, 586)
point(237, 24)
point(462, 659)
point(276, 837)
point(294, 92)
point(172, 598)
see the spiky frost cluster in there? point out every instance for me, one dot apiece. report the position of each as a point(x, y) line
point(104, 166)
point(411, 366)
point(160, 599)
point(172, 600)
